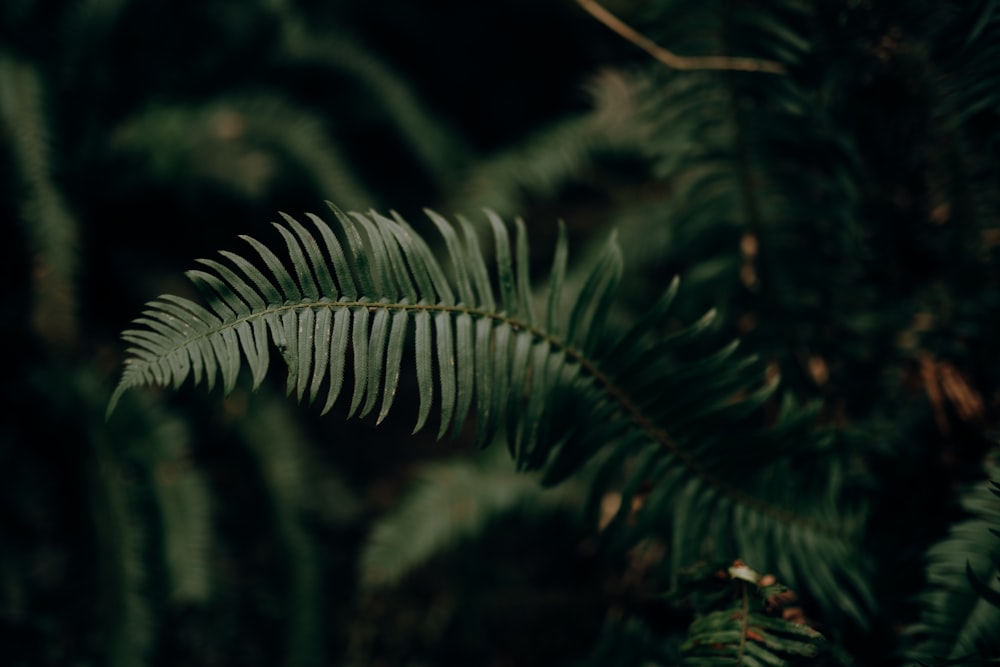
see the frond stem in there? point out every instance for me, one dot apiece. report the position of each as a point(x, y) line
point(660, 435)
point(744, 622)
point(635, 413)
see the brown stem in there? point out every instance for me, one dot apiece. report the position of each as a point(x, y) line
point(673, 60)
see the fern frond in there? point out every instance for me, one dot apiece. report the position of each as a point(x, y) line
point(125, 535)
point(750, 630)
point(49, 227)
point(565, 153)
point(242, 144)
point(538, 166)
point(454, 502)
point(125, 577)
point(160, 506)
point(768, 31)
point(967, 111)
point(278, 447)
point(971, 60)
point(184, 508)
point(349, 295)
point(961, 606)
point(438, 148)
point(684, 424)
point(764, 187)
point(177, 500)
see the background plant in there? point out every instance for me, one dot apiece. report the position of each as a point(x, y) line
point(841, 218)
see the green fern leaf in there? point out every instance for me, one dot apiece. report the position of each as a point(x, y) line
point(674, 421)
point(450, 503)
point(749, 630)
point(309, 308)
point(961, 606)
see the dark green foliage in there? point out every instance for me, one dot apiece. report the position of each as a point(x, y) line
point(746, 627)
point(455, 502)
point(49, 228)
point(835, 211)
point(242, 146)
point(961, 613)
point(280, 454)
point(664, 415)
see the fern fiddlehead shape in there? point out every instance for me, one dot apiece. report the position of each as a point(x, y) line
point(682, 425)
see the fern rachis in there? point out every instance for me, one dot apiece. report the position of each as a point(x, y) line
point(356, 297)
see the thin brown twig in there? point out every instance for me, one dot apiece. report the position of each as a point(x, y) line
point(671, 59)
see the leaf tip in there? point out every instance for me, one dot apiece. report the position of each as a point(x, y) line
point(113, 401)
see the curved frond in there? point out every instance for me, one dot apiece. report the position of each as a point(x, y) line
point(676, 425)
point(357, 296)
point(961, 606)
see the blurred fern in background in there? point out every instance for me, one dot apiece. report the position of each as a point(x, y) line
point(841, 217)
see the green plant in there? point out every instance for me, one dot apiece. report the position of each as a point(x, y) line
point(685, 439)
point(824, 176)
point(671, 422)
point(960, 611)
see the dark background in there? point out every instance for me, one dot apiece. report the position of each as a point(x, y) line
point(199, 529)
